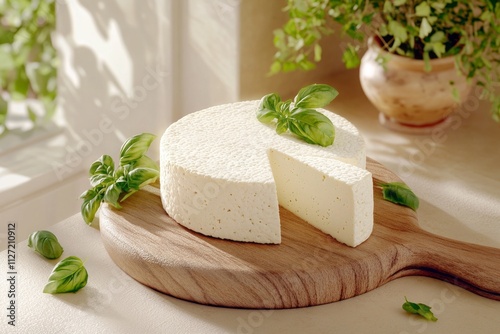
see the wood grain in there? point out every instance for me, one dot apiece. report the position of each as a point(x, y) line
point(307, 268)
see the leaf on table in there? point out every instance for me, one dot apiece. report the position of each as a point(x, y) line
point(69, 275)
point(420, 309)
point(46, 244)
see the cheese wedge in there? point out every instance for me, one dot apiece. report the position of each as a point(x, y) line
point(224, 174)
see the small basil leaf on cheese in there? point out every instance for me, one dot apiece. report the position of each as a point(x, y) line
point(284, 108)
point(299, 118)
point(420, 309)
point(315, 96)
point(46, 244)
point(267, 111)
point(135, 147)
point(282, 126)
point(69, 275)
point(400, 193)
point(313, 127)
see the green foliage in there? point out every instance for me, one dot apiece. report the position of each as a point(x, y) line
point(400, 193)
point(68, 275)
point(135, 171)
point(28, 60)
point(301, 118)
point(420, 309)
point(466, 29)
point(46, 244)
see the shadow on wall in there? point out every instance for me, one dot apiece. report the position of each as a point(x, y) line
point(113, 79)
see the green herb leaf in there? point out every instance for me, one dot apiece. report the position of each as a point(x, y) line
point(423, 9)
point(420, 309)
point(282, 126)
point(400, 193)
point(112, 195)
point(146, 162)
point(90, 206)
point(102, 166)
point(135, 147)
point(425, 28)
point(139, 177)
point(398, 30)
point(313, 127)
point(267, 111)
point(100, 179)
point(46, 244)
point(69, 275)
point(135, 171)
point(306, 123)
point(315, 96)
point(350, 57)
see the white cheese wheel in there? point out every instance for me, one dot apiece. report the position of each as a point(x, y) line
point(224, 174)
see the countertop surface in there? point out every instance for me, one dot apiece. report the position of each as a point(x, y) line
point(454, 171)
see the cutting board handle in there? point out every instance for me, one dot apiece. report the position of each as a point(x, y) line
point(472, 267)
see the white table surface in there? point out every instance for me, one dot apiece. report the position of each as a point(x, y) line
point(456, 177)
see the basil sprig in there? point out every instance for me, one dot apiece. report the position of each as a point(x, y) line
point(420, 309)
point(115, 185)
point(69, 275)
point(400, 193)
point(46, 244)
point(300, 118)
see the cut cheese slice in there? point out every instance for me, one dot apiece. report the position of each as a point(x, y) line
point(224, 174)
point(333, 196)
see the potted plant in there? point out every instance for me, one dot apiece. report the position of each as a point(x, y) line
point(28, 61)
point(410, 43)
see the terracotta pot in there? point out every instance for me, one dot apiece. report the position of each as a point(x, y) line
point(405, 93)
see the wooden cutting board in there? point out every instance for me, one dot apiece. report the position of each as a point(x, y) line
point(307, 268)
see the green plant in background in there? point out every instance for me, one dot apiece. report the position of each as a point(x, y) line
point(28, 60)
point(469, 30)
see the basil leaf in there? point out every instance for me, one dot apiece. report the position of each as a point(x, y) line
point(315, 96)
point(46, 244)
point(146, 162)
point(88, 194)
point(140, 176)
point(135, 171)
point(112, 194)
point(267, 111)
point(400, 193)
point(89, 208)
point(420, 309)
point(122, 183)
point(100, 179)
point(284, 107)
point(312, 126)
point(308, 124)
point(69, 275)
point(135, 147)
point(102, 166)
point(282, 125)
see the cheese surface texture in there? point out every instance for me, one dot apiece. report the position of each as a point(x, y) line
point(224, 174)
